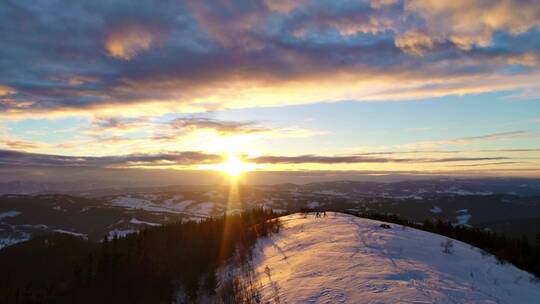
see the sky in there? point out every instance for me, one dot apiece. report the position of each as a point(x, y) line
point(380, 87)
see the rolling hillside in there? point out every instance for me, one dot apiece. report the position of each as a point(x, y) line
point(344, 259)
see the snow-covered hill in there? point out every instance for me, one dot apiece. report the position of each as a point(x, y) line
point(345, 259)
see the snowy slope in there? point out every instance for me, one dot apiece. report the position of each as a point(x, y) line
point(345, 259)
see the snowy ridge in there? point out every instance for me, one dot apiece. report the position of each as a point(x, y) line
point(345, 259)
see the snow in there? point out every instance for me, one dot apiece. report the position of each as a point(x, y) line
point(84, 236)
point(8, 241)
point(267, 203)
point(179, 206)
point(213, 194)
point(191, 219)
point(58, 208)
point(37, 226)
point(203, 208)
point(346, 259)
point(84, 209)
point(9, 214)
point(235, 211)
point(453, 190)
point(435, 209)
point(169, 205)
point(138, 222)
point(330, 192)
point(173, 199)
point(120, 233)
point(131, 202)
point(463, 219)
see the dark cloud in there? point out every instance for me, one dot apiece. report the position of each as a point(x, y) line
point(187, 158)
point(16, 158)
point(220, 126)
point(86, 55)
point(101, 124)
point(315, 159)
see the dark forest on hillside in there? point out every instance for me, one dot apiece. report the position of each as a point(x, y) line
point(159, 265)
point(520, 252)
point(149, 267)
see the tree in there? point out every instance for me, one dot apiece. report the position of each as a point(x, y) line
point(448, 246)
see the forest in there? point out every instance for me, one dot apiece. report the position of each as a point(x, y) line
point(520, 252)
point(156, 265)
point(186, 261)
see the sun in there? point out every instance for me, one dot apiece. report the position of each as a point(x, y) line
point(234, 166)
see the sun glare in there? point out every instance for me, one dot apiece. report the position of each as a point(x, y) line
point(234, 166)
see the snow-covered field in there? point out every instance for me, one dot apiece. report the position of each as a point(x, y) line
point(120, 233)
point(172, 205)
point(139, 222)
point(82, 235)
point(345, 259)
point(8, 241)
point(9, 214)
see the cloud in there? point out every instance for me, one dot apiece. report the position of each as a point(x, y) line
point(505, 150)
point(488, 164)
point(284, 6)
point(494, 136)
point(120, 134)
point(187, 158)
point(188, 126)
point(182, 127)
point(436, 146)
point(20, 144)
point(414, 42)
point(195, 158)
point(100, 125)
point(512, 150)
point(382, 3)
point(223, 127)
point(317, 159)
point(152, 58)
point(473, 23)
point(469, 140)
point(127, 41)
point(5, 90)
point(462, 159)
point(529, 59)
point(73, 80)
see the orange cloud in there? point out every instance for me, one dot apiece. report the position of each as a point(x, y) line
point(74, 80)
point(414, 42)
point(528, 59)
point(6, 90)
point(126, 42)
point(467, 23)
point(283, 6)
point(382, 3)
point(21, 144)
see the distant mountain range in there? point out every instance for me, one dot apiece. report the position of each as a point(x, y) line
point(404, 189)
point(509, 206)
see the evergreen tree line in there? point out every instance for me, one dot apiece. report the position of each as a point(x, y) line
point(520, 252)
point(148, 267)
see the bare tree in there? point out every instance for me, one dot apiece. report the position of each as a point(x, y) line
point(448, 246)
